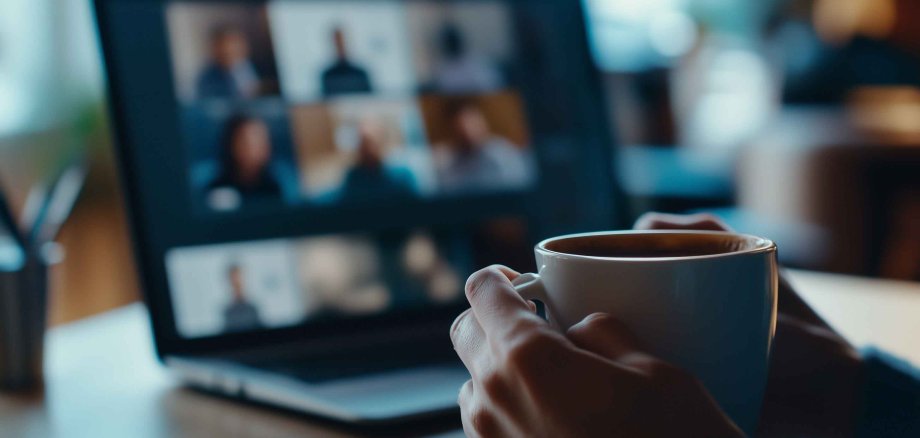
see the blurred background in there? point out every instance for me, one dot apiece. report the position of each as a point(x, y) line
point(794, 119)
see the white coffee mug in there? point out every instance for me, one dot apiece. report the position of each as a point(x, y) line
point(703, 301)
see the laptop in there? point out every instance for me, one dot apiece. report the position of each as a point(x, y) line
point(310, 182)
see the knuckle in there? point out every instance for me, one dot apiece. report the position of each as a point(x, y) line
point(465, 393)
point(482, 280)
point(483, 422)
point(648, 220)
point(521, 328)
point(602, 327)
point(493, 383)
point(657, 224)
point(603, 322)
point(528, 349)
point(710, 221)
point(706, 217)
point(458, 325)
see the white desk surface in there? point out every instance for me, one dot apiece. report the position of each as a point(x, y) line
point(102, 379)
point(866, 311)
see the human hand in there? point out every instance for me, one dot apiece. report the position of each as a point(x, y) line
point(814, 372)
point(529, 380)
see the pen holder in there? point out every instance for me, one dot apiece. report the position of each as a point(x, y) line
point(23, 318)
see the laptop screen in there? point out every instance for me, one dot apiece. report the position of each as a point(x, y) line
point(331, 103)
point(295, 162)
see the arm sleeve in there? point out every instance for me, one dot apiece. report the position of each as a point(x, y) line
point(890, 397)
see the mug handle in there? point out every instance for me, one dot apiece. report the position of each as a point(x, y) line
point(530, 287)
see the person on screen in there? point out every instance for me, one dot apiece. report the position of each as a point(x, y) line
point(371, 177)
point(461, 71)
point(245, 165)
point(230, 73)
point(240, 314)
point(476, 159)
point(344, 76)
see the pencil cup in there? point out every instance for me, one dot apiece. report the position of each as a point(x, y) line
point(23, 317)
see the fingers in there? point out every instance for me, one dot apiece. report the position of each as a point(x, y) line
point(469, 341)
point(789, 302)
point(498, 323)
point(477, 419)
point(510, 273)
point(663, 221)
point(532, 305)
point(465, 401)
point(479, 397)
point(603, 335)
point(497, 306)
point(465, 397)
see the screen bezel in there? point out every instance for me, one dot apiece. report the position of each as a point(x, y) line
point(593, 204)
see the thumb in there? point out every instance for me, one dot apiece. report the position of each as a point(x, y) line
point(603, 335)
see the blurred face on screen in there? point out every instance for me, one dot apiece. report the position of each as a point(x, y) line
point(338, 39)
point(229, 47)
point(470, 128)
point(371, 146)
point(235, 276)
point(251, 148)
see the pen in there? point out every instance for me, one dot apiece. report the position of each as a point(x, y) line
point(7, 220)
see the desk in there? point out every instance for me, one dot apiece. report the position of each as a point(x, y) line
point(103, 380)
point(883, 313)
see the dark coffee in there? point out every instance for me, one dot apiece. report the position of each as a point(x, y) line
point(654, 245)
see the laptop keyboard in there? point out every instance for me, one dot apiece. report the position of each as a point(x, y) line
point(319, 368)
